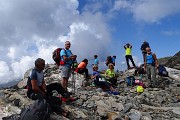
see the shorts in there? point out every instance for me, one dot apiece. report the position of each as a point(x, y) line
point(65, 71)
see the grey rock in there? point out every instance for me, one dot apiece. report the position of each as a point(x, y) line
point(135, 115)
point(128, 107)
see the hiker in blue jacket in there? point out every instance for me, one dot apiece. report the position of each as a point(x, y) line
point(96, 61)
point(151, 65)
point(67, 59)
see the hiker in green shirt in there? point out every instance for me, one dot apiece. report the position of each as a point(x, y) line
point(128, 49)
point(110, 74)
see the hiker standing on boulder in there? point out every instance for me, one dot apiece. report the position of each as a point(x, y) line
point(96, 61)
point(128, 49)
point(151, 65)
point(37, 88)
point(143, 49)
point(67, 59)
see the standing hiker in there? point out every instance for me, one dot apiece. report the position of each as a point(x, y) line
point(113, 60)
point(143, 49)
point(65, 65)
point(96, 61)
point(37, 88)
point(151, 65)
point(108, 60)
point(128, 49)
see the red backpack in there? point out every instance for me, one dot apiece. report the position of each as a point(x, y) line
point(56, 55)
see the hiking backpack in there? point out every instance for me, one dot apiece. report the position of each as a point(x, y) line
point(56, 55)
point(130, 80)
point(162, 71)
point(37, 111)
point(109, 60)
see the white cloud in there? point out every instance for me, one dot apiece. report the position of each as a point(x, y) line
point(32, 29)
point(121, 4)
point(149, 10)
point(170, 33)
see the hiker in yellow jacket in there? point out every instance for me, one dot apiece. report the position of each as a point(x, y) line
point(128, 49)
point(110, 74)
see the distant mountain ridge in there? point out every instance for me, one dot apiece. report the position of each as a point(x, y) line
point(172, 62)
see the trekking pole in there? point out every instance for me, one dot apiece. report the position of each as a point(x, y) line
point(73, 80)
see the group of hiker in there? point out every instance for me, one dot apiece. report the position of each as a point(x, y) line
point(37, 89)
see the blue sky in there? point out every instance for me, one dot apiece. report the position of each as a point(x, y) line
point(163, 34)
point(32, 29)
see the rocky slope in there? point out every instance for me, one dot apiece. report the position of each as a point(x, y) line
point(172, 62)
point(162, 103)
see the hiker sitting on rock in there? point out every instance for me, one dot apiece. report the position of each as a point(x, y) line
point(103, 84)
point(82, 68)
point(37, 88)
point(110, 74)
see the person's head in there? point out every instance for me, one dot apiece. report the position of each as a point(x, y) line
point(144, 41)
point(40, 64)
point(108, 57)
point(85, 60)
point(148, 50)
point(95, 56)
point(95, 67)
point(67, 45)
point(128, 44)
point(111, 66)
point(114, 56)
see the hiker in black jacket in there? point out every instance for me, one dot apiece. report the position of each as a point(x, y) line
point(143, 49)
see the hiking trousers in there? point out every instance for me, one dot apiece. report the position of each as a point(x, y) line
point(151, 71)
point(129, 57)
point(54, 86)
point(54, 102)
point(85, 70)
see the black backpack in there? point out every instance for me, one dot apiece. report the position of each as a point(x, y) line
point(56, 55)
point(39, 110)
point(109, 60)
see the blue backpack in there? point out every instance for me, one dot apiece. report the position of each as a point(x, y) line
point(130, 80)
point(162, 71)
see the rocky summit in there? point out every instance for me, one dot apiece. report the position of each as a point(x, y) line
point(161, 103)
point(172, 62)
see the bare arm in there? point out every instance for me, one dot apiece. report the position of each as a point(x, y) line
point(69, 58)
point(156, 60)
point(44, 86)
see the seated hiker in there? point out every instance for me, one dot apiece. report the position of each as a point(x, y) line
point(37, 88)
point(82, 68)
point(140, 70)
point(103, 84)
point(110, 74)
